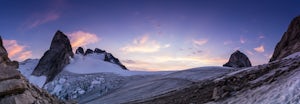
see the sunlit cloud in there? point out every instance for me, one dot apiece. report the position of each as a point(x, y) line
point(242, 40)
point(143, 45)
point(167, 45)
point(249, 52)
point(81, 38)
point(260, 49)
point(25, 55)
point(200, 42)
point(16, 51)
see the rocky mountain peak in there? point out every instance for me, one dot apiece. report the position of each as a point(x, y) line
point(97, 50)
point(56, 58)
point(61, 42)
point(238, 60)
point(289, 42)
point(3, 52)
point(79, 50)
point(88, 51)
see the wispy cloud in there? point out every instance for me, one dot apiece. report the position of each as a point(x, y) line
point(143, 45)
point(16, 51)
point(261, 37)
point(81, 38)
point(249, 52)
point(242, 40)
point(43, 18)
point(200, 42)
point(227, 42)
point(45, 15)
point(260, 49)
point(268, 56)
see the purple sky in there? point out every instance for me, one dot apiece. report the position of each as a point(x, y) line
point(150, 34)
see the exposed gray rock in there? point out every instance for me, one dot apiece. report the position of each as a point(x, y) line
point(79, 50)
point(290, 41)
point(110, 58)
point(88, 51)
point(3, 52)
point(97, 50)
point(238, 60)
point(56, 58)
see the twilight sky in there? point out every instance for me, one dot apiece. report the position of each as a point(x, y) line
point(150, 34)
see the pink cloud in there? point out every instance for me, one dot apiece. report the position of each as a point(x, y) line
point(242, 40)
point(16, 51)
point(81, 38)
point(260, 49)
point(143, 45)
point(42, 18)
point(200, 42)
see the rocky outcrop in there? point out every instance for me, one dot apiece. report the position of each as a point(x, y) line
point(290, 41)
point(238, 60)
point(3, 52)
point(97, 50)
point(15, 89)
point(88, 51)
point(79, 50)
point(56, 58)
point(108, 57)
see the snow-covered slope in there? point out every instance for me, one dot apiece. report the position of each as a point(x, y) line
point(137, 88)
point(84, 75)
point(88, 78)
point(277, 82)
point(26, 69)
point(285, 89)
point(93, 63)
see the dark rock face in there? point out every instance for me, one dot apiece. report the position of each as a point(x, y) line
point(15, 89)
point(110, 58)
point(56, 58)
point(238, 60)
point(290, 41)
point(97, 50)
point(79, 50)
point(3, 52)
point(88, 51)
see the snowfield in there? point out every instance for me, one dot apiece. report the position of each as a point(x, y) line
point(149, 86)
point(87, 78)
point(90, 80)
point(93, 63)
